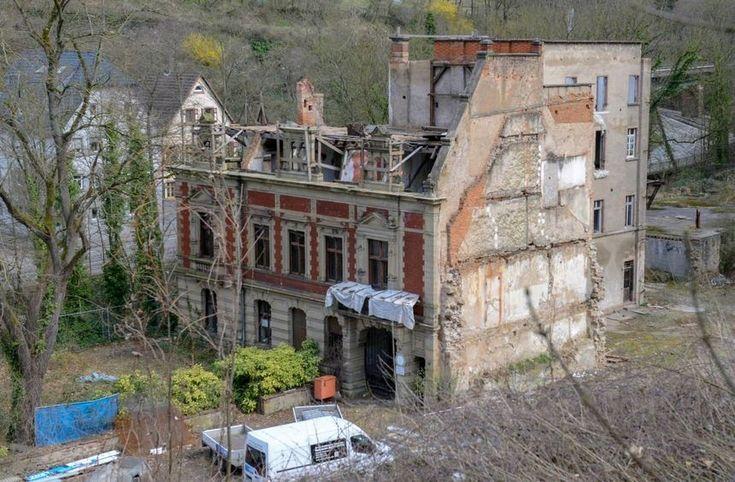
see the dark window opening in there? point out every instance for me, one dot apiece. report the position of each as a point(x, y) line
point(333, 346)
point(597, 216)
point(600, 150)
point(206, 236)
point(378, 263)
point(333, 258)
point(209, 299)
point(262, 246)
point(298, 327)
point(601, 94)
point(297, 252)
point(264, 321)
point(628, 281)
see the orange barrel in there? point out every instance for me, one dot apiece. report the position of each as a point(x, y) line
point(325, 387)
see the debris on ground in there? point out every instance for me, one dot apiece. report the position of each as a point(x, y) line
point(96, 377)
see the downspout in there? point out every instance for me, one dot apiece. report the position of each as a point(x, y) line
point(636, 265)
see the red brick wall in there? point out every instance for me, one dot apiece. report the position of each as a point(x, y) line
point(265, 199)
point(333, 209)
point(277, 244)
point(293, 203)
point(351, 253)
point(413, 262)
point(456, 51)
point(414, 220)
point(314, 251)
point(184, 224)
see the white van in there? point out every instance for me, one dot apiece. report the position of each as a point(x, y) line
point(312, 448)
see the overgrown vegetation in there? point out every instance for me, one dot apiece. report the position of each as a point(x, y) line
point(258, 372)
point(194, 390)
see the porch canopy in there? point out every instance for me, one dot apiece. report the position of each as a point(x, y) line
point(391, 305)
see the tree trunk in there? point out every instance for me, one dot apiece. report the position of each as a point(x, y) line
point(28, 401)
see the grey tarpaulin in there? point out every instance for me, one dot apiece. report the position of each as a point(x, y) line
point(390, 305)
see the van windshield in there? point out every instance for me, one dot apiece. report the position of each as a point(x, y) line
point(256, 459)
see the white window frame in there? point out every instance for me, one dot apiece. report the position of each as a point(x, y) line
point(630, 210)
point(634, 89)
point(631, 143)
point(601, 105)
point(598, 205)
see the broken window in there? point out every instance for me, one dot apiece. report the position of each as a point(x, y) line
point(206, 236)
point(333, 258)
point(297, 252)
point(264, 321)
point(600, 150)
point(629, 210)
point(210, 114)
point(378, 263)
point(333, 349)
point(190, 116)
point(209, 299)
point(632, 143)
point(601, 93)
point(633, 83)
point(597, 213)
point(262, 246)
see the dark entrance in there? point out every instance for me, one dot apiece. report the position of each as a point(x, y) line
point(628, 281)
point(298, 327)
point(379, 362)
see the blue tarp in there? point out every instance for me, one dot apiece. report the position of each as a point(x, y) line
point(71, 421)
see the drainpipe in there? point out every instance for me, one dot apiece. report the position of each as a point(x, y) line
point(638, 183)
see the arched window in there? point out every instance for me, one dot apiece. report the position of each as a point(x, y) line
point(209, 307)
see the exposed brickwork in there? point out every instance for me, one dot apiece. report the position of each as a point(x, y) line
point(413, 262)
point(294, 203)
point(259, 198)
point(571, 110)
point(413, 220)
point(351, 253)
point(244, 238)
point(314, 251)
point(184, 224)
point(456, 51)
point(286, 281)
point(333, 209)
point(515, 47)
point(277, 244)
point(460, 224)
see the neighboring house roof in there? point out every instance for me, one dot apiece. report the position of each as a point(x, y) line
point(166, 93)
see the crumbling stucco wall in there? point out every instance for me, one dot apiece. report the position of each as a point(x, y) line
point(522, 221)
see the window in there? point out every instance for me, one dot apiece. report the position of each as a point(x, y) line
point(206, 236)
point(264, 322)
point(570, 80)
point(298, 327)
point(632, 144)
point(297, 252)
point(362, 445)
point(333, 258)
point(597, 212)
point(378, 263)
point(210, 114)
point(262, 246)
point(601, 95)
point(628, 281)
point(600, 150)
point(633, 83)
point(199, 89)
point(326, 451)
point(209, 299)
point(255, 459)
point(629, 210)
point(95, 213)
point(169, 188)
point(190, 116)
point(333, 336)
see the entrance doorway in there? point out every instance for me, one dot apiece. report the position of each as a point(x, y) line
point(379, 362)
point(628, 281)
point(298, 327)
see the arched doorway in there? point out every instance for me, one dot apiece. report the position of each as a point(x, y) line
point(379, 374)
point(298, 327)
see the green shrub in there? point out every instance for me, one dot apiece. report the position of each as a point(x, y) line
point(258, 372)
point(139, 384)
point(195, 390)
point(4, 452)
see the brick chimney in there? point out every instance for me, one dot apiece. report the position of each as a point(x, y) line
point(399, 49)
point(310, 109)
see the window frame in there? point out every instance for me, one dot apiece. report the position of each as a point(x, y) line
point(261, 313)
point(378, 263)
point(599, 161)
point(598, 208)
point(206, 235)
point(330, 257)
point(631, 152)
point(296, 264)
point(193, 111)
point(630, 210)
point(262, 245)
